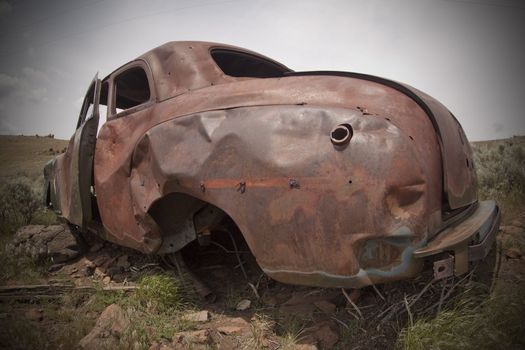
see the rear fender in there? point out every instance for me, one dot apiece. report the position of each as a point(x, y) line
point(293, 194)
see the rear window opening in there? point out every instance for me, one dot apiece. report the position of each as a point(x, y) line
point(241, 64)
point(132, 89)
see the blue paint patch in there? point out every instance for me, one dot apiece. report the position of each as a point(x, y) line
point(363, 276)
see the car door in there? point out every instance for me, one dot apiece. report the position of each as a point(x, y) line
point(81, 165)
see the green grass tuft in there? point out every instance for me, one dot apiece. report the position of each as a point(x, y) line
point(477, 321)
point(160, 292)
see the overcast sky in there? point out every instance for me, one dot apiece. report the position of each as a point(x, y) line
point(469, 54)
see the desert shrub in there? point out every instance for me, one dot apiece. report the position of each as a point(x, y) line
point(18, 205)
point(20, 268)
point(501, 171)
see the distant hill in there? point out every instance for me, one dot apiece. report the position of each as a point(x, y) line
point(25, 156)
point(513, 139)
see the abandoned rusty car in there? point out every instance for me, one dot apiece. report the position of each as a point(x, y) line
point(334, 179)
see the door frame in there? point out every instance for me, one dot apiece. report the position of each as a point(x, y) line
point(81, 166)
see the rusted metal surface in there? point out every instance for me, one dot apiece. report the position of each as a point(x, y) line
point(444, 268)
point(469, 240)
point(483, 218)
point(334, 180)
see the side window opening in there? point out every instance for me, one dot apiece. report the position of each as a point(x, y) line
point(241, 64)
point(131, 89)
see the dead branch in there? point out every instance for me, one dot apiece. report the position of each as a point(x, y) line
point(421, 293)
point(378, 293)
point(352, 303)
point(42, 291)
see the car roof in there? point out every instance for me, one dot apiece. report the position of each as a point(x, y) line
point(181, 66)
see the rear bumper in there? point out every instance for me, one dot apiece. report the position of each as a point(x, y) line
point(468, 240)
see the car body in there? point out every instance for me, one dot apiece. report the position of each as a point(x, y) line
point(334, 179)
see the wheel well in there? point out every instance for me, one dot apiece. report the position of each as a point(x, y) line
point(183, 218)
point(198, 230)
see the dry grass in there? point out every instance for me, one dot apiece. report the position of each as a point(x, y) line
point(476, 321)
point(261, 326)
point(500, 166)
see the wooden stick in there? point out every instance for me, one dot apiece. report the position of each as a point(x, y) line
point(352, 303)
point(50, 290)
point(378, 293)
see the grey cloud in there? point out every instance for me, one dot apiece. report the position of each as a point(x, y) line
point(498, 127)
point(30, 84)
point(6, 127)
point(7, 84)
point(5, 8)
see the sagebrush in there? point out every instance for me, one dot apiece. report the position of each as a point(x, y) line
point(501, 170)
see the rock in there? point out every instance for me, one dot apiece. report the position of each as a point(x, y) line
point(55, 268)
point(25, 233)
point(34, 314)
point(96, 247)
point(201, 316)
point(51, 232)
point(511, 230)
point(513, 253)
point(300, 305)
point(114, 270)
point(64, 246)
point(106, 280)
point(88, 263)
point(99, 273)
point(34, 240)
point(325, 306)
point(304, 347)
point(229, 329)
point(238, 321)
point(87, 271)
point(233, 326)
point(160, 346)
point(154, 346)
point(122, 262)
point(103, 259)
point(199, 337)
point(326, 336)
point(110, 326)
point(269, 300)
point(243, 305)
